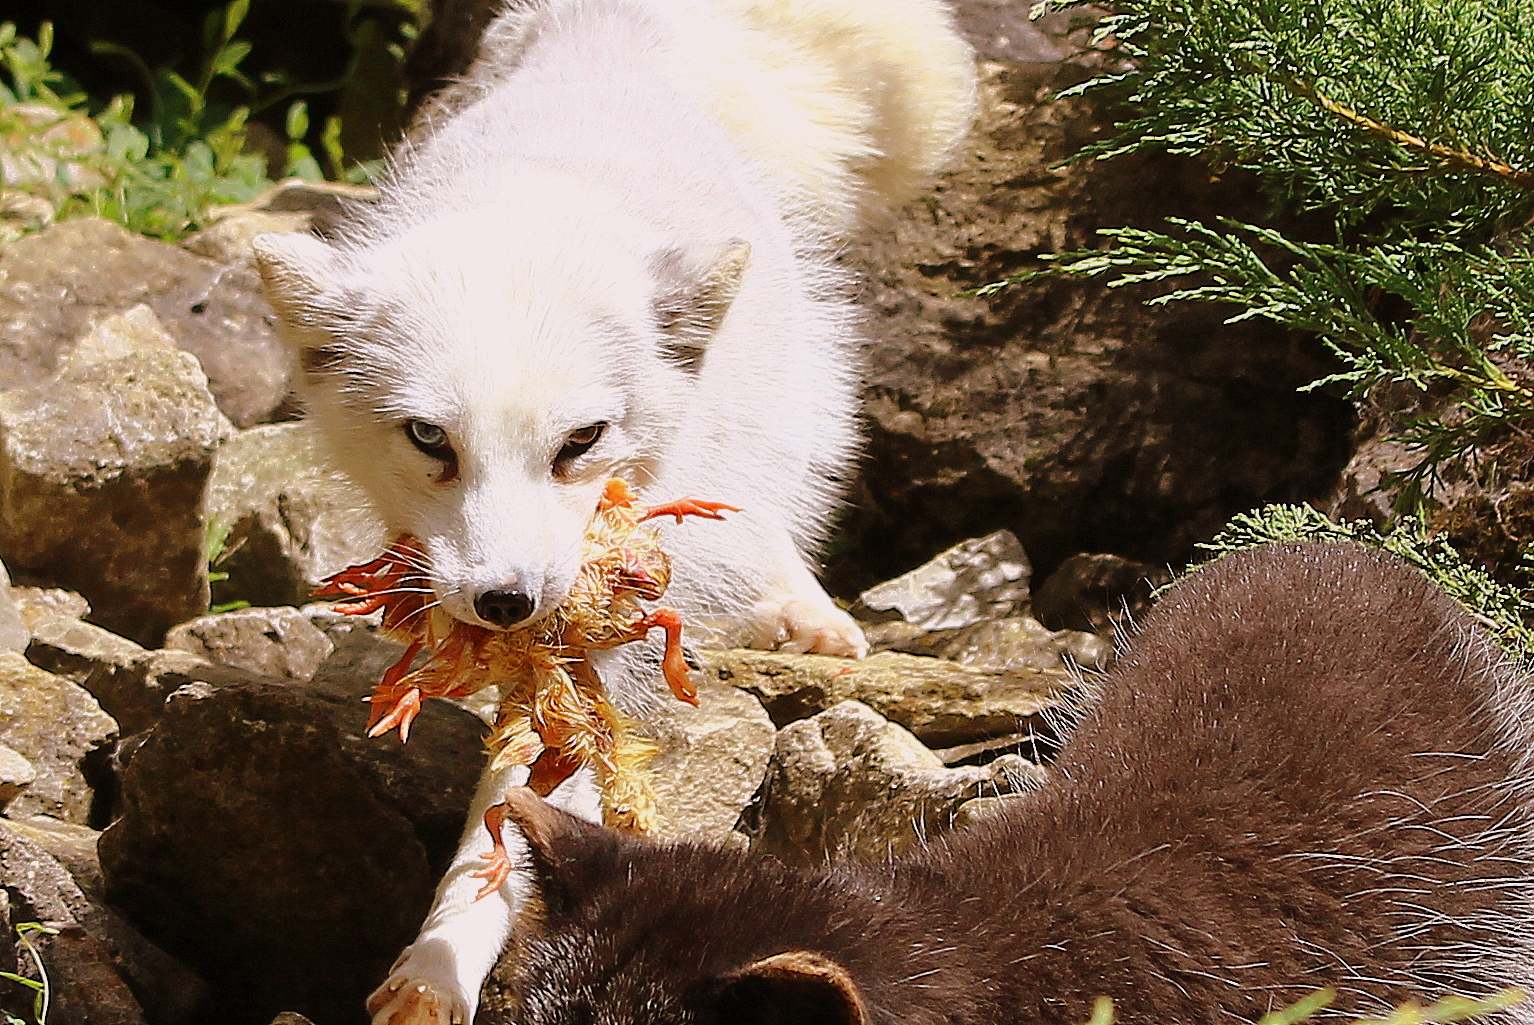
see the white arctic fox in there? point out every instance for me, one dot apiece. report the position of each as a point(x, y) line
point(610, 259)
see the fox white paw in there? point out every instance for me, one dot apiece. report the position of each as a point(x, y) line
point(415, 995)
point(792, 623)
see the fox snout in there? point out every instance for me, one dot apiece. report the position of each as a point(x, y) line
point(505, 607)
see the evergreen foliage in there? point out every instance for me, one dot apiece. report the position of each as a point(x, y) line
point(1408, 123)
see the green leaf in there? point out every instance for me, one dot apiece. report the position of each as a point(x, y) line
point(297, 123)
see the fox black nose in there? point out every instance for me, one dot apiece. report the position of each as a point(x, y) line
point(503, 608)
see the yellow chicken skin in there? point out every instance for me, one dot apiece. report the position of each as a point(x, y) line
point(555, 715)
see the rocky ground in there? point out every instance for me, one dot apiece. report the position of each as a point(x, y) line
point(188, 800)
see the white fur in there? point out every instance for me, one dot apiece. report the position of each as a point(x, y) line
point(622, 185)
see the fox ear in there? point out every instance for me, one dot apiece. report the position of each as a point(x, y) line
point(296, 269)
point(799, 987)
point(695, 290)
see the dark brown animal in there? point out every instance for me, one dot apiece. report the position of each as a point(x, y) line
point(1310, 769)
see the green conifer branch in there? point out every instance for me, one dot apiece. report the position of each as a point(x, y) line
point(1455, 158)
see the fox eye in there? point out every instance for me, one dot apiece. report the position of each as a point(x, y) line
point(578, 443)
point(429, 438)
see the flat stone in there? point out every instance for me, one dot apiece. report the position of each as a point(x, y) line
point(32, 602)
point(54, 724)
point(130, 681)
point(942, 702)
point(1017, 642)
point(73, 845)
point(974, 581)
point(277, 642)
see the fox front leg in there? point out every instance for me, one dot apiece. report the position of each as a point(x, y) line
point(436, 980)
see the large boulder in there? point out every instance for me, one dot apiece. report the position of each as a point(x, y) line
point(57, 283)
point(280, 852)
point(104, 467)
point(1063, 411)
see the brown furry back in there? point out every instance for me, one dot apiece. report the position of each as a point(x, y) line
point(1297, 776)
point(1308, 770)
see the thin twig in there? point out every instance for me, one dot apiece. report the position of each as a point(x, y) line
point(1460, 158)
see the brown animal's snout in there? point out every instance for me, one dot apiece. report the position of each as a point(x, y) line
point(505, 608)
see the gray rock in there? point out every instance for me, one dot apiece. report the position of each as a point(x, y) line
point(55, 284)
point(16, 774)
point(712, 761)
point(228, 239)
point(850, 782)
point(1071, 414)
point(32, 602)
point(942, 702)
point(1098, 592)
point(286, 520)
point(71, 844)
point(270, 844)
point(981, 808)
point(130, 682)
point(13, 633)
point(53, 724)
point(977, 580)
point(104, 468)
point(277, 642)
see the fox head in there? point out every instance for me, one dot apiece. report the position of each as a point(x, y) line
point(481, 379)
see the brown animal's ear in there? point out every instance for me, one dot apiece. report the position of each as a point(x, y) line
point(799, 987)
point(548, 829)
point(695, 290)
point(567, 852)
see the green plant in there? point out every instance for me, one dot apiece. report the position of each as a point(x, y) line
point(164, 174)
point(40, 985)
point(1406, 123)
point(215, 549)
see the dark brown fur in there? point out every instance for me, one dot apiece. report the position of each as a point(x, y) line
point(1306, 771)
